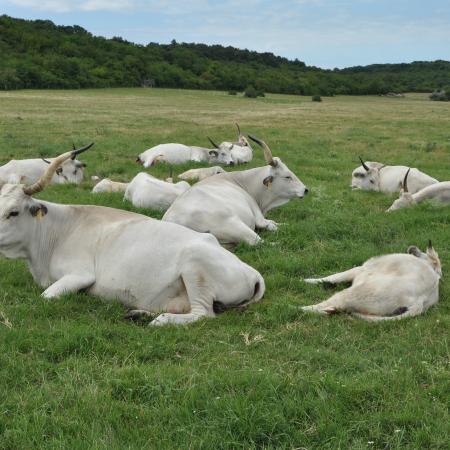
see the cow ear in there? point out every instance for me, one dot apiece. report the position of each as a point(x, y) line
point(268, 181)
point(213, 153)
point(38, 210)
point(413, 250)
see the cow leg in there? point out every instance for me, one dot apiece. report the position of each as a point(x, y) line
point(235, 231)
point(69, 283)
point(342, 277)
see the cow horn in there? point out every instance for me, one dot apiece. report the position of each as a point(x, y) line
point(46, 160)
point(76, 152)
point(239, 130)
point(366, 167)
point(212, 142)
point(405, 181)
point(267, 153)
point(430, 245)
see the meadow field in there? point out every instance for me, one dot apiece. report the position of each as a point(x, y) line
point(74, 374)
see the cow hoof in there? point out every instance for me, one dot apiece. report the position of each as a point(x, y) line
point(161, 320)
point(271, 225)
point(136, 314)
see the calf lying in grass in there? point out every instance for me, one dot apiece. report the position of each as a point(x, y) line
point(386, 287)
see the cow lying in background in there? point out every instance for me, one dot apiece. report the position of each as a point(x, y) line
point(180, 153)
point(231, 205)
point(145, 191)
point(148, 265)
point(201, 174)
point(374, 176)
point(241, 150)
point(107, 185)
point(386, 287)
point(28, 171)
point(436, 192)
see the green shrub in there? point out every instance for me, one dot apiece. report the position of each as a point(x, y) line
point(316, 98)
point(232, 92)
point(252, 92)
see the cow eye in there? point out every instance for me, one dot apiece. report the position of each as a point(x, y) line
point(288, 178)
point(372, 181)
point(12, 214)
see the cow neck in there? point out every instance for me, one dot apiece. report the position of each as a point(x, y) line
point(379, 176)
point(46, 234)
point(252, 182)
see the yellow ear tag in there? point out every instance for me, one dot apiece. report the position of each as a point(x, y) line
point(39, 214)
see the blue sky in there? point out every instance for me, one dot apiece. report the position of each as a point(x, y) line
point(324, 33)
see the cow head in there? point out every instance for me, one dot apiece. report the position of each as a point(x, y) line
point(282, 182)
point(72, 170)
point(367, 176)
point(19, 210)
point(405, 199)
point(221, 154)
point(430, 256)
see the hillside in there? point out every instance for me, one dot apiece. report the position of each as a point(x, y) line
point(40, 54)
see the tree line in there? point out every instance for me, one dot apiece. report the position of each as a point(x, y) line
point(40, 54)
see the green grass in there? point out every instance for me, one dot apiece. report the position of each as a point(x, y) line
point(74, 374)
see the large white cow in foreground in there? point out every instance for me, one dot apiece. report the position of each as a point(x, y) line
point(374, 176)
point(180, 153)
point(28, 171)
point(145, 191)
point(231, 205)
point(386, 287)
point(150, 266)
point(201, 173)
point(439, 192)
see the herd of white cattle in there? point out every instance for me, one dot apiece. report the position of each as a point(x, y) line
point(178, 267)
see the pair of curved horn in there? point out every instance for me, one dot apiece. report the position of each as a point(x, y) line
point(405, 181)
point(267, 153)
point(366, 167)
point(212, 142)
point(45, 180)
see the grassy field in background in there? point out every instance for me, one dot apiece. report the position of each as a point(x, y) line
point(75, 374)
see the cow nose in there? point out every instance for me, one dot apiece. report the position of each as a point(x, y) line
point(306, 190)
point(231, 163)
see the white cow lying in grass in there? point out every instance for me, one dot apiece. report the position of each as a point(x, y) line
point(28, 171)
point(436, 192)
point(386, 287)
point(180, 153)
point(374, 176)
point(107, 185)
point(201, 174)
point(241, 151)
point(145, 191)
point(231, 205)
point(148, 265)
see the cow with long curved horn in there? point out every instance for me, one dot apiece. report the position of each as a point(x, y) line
point(232, 205)
point(375, 176)
point(29, 171)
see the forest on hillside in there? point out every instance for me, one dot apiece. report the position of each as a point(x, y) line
point(40, 54)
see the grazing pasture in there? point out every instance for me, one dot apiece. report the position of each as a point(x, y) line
point(75, 374)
